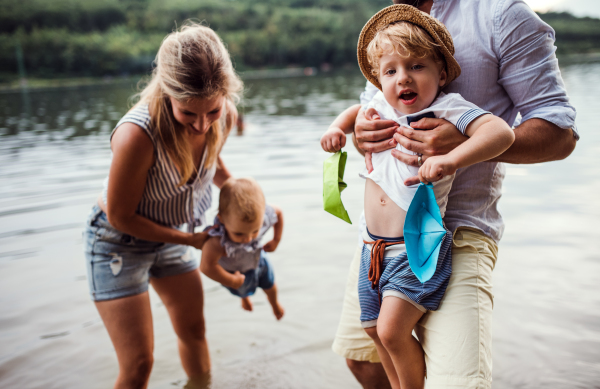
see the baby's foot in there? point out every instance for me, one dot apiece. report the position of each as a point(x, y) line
point(247, 304)
point(278, 310)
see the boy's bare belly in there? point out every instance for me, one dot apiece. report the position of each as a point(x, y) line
point(383, 216)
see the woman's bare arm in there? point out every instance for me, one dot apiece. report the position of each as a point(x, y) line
point(133, 156)
point(222, 173)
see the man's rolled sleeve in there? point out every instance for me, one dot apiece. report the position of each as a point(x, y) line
point(529, 69)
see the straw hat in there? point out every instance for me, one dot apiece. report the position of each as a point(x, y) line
point(407, 13)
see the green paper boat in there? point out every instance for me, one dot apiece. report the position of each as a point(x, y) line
point(333, 185)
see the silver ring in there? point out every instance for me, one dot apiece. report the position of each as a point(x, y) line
point(420, 160)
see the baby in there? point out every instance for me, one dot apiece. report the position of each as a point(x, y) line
point(408, 55)
point(232, 255)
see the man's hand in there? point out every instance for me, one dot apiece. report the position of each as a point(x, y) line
point(271, 246)
point(434, 169)
point(374, 135)
point(333, 140)
point(441, 138)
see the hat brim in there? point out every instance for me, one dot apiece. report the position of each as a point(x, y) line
point(407, 13)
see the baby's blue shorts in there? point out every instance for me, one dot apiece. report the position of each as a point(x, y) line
point(261, 277)
point(397, 279)
point(120, 265)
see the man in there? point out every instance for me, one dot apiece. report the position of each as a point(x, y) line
point(508, 67)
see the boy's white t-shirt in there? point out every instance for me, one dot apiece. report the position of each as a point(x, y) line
point(390, 174)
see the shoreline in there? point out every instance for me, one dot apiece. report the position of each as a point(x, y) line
point(42, 84)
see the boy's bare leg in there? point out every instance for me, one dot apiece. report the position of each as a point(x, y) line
point(395, 324)
point(386, 360)
point(272, 296)
point(247, 304)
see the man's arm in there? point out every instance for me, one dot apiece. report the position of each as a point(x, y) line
point(529, 73)
point(537, 140)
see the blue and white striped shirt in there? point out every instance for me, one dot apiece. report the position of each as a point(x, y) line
point(163, 200)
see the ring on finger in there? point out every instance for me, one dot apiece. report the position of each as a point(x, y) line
point(419, 160)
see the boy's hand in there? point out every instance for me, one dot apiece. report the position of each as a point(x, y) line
point(271, 246)
point(436, 168)
point(333, 140)
point(238, 280)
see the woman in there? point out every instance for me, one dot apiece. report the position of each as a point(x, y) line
point(165, 155)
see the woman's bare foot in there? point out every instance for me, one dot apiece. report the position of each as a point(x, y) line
point(247, 304)
point(278, 310)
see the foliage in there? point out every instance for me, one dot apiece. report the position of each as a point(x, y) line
point(115, 37)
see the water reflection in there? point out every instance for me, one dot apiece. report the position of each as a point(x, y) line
point(55, 154)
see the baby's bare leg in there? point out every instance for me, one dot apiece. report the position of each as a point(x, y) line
point(246, 304)
point(395, 324)
point(272, 296)
point(386, 360)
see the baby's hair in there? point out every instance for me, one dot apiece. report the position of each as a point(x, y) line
point(192, 63)
point(404, 39)
point(242, 197)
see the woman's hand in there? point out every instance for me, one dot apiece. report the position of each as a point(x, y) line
point(198, 239)
point(237, 280)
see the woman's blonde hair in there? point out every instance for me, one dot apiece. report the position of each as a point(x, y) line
point(243, 198)
point(404, 39)
point(192, 63)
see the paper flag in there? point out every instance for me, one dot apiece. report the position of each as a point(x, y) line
point(423, 233)
point(333, 185)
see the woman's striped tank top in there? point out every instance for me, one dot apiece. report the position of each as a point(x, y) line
point(163, 201)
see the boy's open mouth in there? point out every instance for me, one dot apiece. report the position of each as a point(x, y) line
point(408, 97)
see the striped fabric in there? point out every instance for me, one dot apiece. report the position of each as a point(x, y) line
point(468, 117)
point(398, 276)
point(163, 201)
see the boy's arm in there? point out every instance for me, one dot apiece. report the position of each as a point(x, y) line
point(334, 138)
point(209, 265)
point(489, 136)
point(277, 232)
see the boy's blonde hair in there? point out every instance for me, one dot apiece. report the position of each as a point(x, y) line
point(192, 63)
point(243, 198)
point(404, 39)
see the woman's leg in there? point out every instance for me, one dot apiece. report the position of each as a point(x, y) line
point(386, 361)
point(184, 299)
point(128, 321)
point(395, 324)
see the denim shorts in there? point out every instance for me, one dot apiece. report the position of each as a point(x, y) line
point(261, 277)
point(120, 265)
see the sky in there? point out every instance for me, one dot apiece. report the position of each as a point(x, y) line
point(576, 7)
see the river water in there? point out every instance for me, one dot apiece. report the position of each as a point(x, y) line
point(54, 154)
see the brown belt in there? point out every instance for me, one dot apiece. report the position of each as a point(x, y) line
point(377, 255)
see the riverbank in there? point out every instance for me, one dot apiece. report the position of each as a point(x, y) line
point(35, 83)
